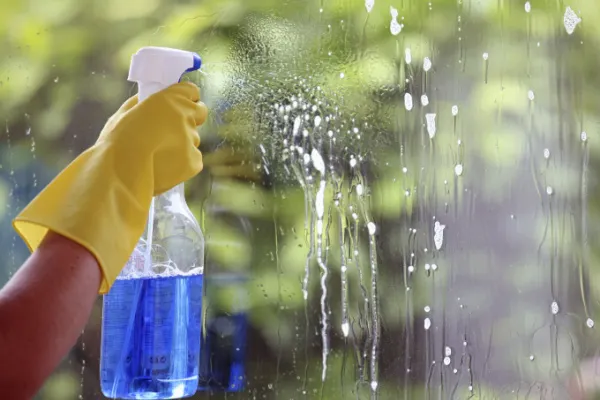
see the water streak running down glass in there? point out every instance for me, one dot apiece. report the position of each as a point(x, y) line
point(416, 181)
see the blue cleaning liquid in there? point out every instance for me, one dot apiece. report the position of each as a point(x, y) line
point(151, 332)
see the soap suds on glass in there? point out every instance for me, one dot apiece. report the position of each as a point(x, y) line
point(395, 26)
point(570, 20)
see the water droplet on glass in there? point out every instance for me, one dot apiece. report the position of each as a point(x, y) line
point(359, 189)
point(531, 95)
point(458, 169)
point(374, 385)
point(447, 361)
point(427, 324)
point(317, 161)
point(430, 122)
point(319, 202)
point(345, 329)
point(426, 64)
point(589, 323)
point(342, 75)
point(570, 20)
point(424, 100)
point(448, 351)
point(372, 228)
point(411, 269)
point(527, 6)
point(583, 137)
point(56, 80)
point(408, 101)
point(438, 234)
point(554, 308)
point(486, 56)
point(455, 110)
point(296, 127)
point(407, 56)
point(317, 121)
point(369, 5)
point(427, 309)
point(395, 27)
point(546, 153)
point(531, 357)
point(434, 267)
point(549, 190)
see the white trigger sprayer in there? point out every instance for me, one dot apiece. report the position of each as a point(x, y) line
point(156, 68)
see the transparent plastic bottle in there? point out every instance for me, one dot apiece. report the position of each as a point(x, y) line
point(151, 323)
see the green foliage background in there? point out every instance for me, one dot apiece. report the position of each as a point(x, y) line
point(511, 248)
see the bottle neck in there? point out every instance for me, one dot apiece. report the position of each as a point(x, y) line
point(147, 89)
point(173, 202)
point(173, 199)
point(178, 190)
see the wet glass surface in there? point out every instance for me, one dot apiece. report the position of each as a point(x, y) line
point(399, 197)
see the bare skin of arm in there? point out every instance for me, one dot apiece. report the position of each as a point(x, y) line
point(43, 310)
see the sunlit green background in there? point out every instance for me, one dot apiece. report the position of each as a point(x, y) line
point(511, 173)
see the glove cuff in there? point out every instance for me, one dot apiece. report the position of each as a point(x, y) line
point(90, 203)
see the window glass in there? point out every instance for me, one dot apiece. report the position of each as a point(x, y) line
point(399, 197)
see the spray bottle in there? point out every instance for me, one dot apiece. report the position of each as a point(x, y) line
point(151, 323)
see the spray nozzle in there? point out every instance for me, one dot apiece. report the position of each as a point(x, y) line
point(156, 68)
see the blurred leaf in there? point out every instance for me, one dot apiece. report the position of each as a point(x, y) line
point(55, 12)
point(118, 10)
point(504, 96)
point(20, 78)
point(503, 147)
point(61, 386)
point(229, 248)
point(390, 200)
point(241, 198)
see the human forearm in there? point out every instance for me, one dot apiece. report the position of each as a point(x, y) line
point(43, 309)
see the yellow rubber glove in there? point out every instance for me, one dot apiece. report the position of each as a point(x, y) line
point(101, 200)
point(229, 162)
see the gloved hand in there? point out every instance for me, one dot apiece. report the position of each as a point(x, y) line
point(236, 163)
point(101, 200)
